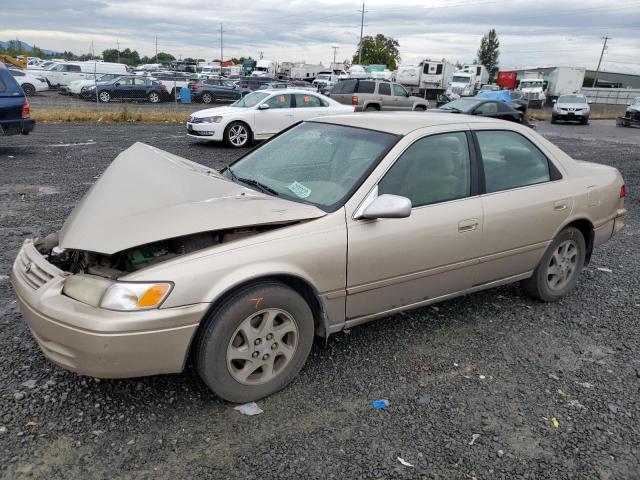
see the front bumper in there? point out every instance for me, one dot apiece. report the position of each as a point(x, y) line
point(96, 342)
point(208, 131)
point(574, 115)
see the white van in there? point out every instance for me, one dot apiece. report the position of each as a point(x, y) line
point(64, 73)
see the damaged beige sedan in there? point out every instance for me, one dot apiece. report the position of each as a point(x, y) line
point(331, 224)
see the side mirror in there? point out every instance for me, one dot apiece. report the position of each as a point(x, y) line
point(388, 206)
point(589, 101)
point(554, 100)
point(263, 106)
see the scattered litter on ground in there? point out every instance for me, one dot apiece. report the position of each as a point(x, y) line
point(553, 377)
point(555, 422)
point(250, 409)
point(602, 269)
point(482, 377)
point(10, 157)
point(474, 437)
point(3, 429)
point(584, 384)
point(4, 277)
point(500, 453)
point(404, 462)
point(380, 404)
point(30, 384)
point(31, 424)
point(613, 408)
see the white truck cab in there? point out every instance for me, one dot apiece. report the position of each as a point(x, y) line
point(532, 87)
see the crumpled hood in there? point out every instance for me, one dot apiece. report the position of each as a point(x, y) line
point(147, 194)
point(210, 112)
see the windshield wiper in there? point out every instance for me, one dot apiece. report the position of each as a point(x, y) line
point(250, 181)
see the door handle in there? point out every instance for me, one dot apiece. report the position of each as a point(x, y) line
point(468, 225)
point(560, 205)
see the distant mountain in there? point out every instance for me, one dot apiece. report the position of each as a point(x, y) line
point(28, 48)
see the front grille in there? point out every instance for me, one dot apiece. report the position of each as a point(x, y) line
point(532, 95)
point(33, 275)
point(457, 90)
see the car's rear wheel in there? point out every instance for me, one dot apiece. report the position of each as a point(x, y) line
point(104, 96)
point(371, 108)
point(255, 343)
point(153, 97)
point(420, 108)
point(559, 268)
point(207, 98)
point(237, 135)
point(28, 89)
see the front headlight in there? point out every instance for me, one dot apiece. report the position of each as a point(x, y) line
point(129, 296)
point(216, 119)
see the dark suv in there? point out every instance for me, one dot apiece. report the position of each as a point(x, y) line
point(14, 107)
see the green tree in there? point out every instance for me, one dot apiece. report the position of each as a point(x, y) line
point(379, 50)
point(127, 56)
point(37, 52)
point(164, 57)
point(489, 53)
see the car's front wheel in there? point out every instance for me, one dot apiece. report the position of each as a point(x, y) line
point(255, 343)
point(207, 98)
point(237, 135)
point(154, 97)
point(559, 268)
point(104, 96)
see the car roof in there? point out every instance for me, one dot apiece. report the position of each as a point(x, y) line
point(401, 123)
point(277, 91)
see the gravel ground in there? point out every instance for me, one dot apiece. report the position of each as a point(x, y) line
point(494, 366)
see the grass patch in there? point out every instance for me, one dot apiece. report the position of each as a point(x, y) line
point(124, 115)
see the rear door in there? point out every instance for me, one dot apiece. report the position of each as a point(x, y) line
point(123, 89)
point(387, 100)
point(309, 106)
point(525, 201)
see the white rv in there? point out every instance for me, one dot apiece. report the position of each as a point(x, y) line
point(427, 79)
point(264, 68)
point(65, 73)
point(305, 71)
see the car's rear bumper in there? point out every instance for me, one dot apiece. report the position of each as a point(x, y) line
point(15, 127)
point(97, 342)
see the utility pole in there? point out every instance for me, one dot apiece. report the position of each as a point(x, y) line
point(595, 77)
point(221, 47)
point(261, 53)
point(155, 60)
point(118, 42)
point(335, 49)
point(361, 30)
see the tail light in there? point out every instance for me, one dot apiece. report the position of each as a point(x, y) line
point(195, 86)
point(623, 191)
point(354, 100)
point(26, 109)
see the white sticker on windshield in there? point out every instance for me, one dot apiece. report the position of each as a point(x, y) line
point(300, 190)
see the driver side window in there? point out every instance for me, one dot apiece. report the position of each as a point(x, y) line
point(279, 101)
point(434, 169)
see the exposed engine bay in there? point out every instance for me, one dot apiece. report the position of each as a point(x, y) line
point(133, 259)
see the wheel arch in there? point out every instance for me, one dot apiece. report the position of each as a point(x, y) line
point(296, 282)
point(373, 104)
point(587, 229)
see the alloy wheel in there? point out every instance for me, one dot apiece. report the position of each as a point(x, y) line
point(562, 265)
point(238, 135)
point(105, 97)
point(154, 97)
point(262, 346)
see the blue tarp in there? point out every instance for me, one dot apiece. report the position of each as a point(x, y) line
point(502, 95)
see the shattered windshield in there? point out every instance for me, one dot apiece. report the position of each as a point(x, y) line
point(317, 163)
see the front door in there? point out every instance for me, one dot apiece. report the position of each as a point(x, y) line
point(401, 98)
point(433, 252)
point(277, 117)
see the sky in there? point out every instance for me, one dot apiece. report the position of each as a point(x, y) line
point(531, 32)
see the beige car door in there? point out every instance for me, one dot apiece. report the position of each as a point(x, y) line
point(525, 203)
point(410, 261)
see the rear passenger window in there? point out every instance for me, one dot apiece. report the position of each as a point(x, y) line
point(434, 169)
point(384, 89)
point(510, 161)
point(73, 68)
point(366, 87)
point(306, 101)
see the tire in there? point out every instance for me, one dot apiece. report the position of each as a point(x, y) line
point(566, 256)
point(420, 108)
point(554, 119)
point(28, 89)
point(237, 135)
point(371, 108)
point(584, 121)
point(207, 98)
point(104, 96)
point(234, 353)
point(153, 97)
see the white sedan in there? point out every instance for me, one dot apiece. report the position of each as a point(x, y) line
point(260, 115)
point(30, 83)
